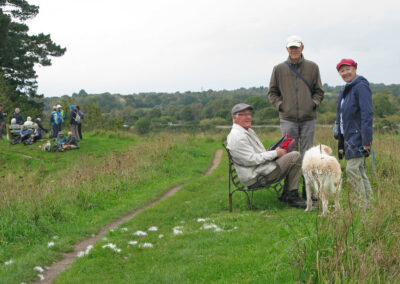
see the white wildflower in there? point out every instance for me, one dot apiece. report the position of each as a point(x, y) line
point(178, 230)
point(38, 269)
point(104, 238)
point(41, 277)
point(201, 220)
point(112, 246)
point(55, 238)
point(50, 244)
point(211, 226)
point(160, 236)
point(146, 245)
point(133, 243)
point(124, 229)
point(153, 229)
point(9, 262)
point(140, 233)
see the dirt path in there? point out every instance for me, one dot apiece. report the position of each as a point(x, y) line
point(56, 268)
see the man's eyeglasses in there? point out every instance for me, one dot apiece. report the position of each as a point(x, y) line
point(245, 114)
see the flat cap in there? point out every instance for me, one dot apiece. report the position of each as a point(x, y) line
point(239, 107)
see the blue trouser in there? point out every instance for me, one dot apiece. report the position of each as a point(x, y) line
point(55, 130)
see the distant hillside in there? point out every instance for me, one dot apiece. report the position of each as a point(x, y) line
point(206, 107)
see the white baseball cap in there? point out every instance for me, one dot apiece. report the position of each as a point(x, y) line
point(58, 106)
point(294, 40)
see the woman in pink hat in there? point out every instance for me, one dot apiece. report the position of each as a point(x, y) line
point(354, 117)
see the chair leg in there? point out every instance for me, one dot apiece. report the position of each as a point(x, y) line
point(230, 202)
point(248, 200)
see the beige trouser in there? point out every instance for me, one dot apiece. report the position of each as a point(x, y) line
point(74, 130)
point(356, 173)
point(288, 167)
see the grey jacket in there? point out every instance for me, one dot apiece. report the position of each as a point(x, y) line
point(291, 96)
point(249, 155)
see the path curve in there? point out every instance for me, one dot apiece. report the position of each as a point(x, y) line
point(51, 273)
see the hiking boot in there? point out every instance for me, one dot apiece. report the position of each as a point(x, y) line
point(293, 199)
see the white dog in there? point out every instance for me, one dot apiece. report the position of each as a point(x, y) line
point(322, 171)
point(46, 146)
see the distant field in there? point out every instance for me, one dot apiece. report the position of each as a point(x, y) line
point(193, 236)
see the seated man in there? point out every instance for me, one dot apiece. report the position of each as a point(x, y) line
point(251, 159)
point(71, 142)
point(60, 141)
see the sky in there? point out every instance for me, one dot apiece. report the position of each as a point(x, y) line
point(130, 46)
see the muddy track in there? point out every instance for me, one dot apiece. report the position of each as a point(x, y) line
point(56, 268)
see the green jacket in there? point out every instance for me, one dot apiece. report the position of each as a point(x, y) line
point(291, 96)
point(61, 140)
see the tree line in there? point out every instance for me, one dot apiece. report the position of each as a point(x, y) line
point(148, 111)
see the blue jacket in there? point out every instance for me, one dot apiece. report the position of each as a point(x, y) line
point(357, 116)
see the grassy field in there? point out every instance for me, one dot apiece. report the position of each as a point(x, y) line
point(191, 236)
point(64, 197)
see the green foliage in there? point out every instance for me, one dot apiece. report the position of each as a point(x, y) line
point(383, 104)
point(143, 125)
point(20, 52)
point(193, 107)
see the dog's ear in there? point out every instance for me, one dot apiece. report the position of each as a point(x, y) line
point(327, 149)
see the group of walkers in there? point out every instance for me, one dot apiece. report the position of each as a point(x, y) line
point(28, 132)
point(295, 90)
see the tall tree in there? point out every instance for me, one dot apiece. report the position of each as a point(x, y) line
point(19, 52)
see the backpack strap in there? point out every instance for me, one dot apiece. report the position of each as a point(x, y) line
point(299, 75)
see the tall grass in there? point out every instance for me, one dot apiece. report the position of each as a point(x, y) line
point(359, 244)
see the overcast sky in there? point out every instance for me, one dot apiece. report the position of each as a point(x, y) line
point(130, 46)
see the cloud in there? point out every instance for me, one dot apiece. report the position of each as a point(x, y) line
point(138, 46)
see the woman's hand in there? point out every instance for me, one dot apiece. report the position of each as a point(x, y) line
point(367, 148)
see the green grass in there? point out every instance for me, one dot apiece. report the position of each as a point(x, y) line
point(82, 190)
point(272, 244)
point(254, 246)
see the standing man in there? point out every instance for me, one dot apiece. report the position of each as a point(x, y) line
point(54, 123)
point(295, 90)
point(73, 123)
point(2, 121)
point(60, 117)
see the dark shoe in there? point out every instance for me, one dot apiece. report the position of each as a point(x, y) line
point(293, 199)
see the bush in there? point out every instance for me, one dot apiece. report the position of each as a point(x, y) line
point(142, 125)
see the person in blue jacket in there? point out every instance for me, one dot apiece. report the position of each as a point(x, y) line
point(355, 115)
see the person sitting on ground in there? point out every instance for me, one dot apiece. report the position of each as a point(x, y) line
point(251, 159)
point(38, 121)
point(18, 116)
point(60, 140)
point(24, 134)
point(71, 142)
point(36, 135)
point(28, 121)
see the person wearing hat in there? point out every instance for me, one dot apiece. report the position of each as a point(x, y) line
point(60, 117)
point(252, 159)
point(73, 122)
point(354, 115)
point(295, 90)
point(2, 121)
point(54, 123)
point(60, 140)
